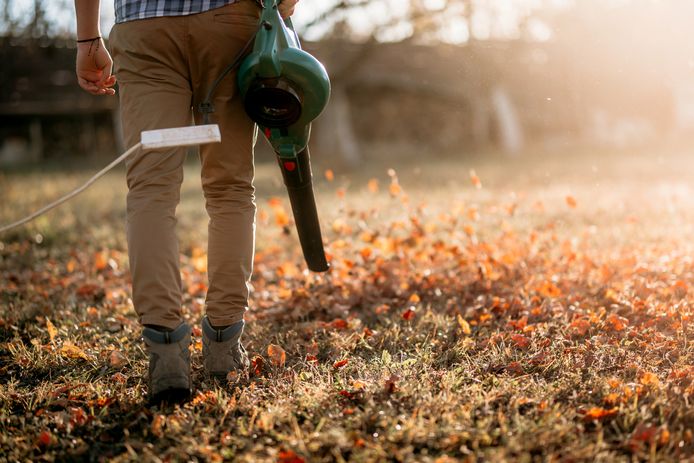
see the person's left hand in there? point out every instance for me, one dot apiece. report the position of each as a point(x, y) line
point(287, 8)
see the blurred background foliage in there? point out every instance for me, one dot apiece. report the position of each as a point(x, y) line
point(446, 77)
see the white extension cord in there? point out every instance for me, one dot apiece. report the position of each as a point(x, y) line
point(150, 139)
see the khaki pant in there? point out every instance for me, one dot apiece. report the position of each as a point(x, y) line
point(165, 66)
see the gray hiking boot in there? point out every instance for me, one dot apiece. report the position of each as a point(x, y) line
point(222, 351)
point(169, 364)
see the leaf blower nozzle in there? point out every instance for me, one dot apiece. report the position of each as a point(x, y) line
point(273, 103)
point(284, 89)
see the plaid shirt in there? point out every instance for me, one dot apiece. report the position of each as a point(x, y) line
point(128, 10)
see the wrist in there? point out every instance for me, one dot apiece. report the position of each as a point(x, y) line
point(88, 39)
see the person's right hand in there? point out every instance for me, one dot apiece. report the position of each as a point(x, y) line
point(94, 65)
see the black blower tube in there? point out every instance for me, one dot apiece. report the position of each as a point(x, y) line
point(297, 179)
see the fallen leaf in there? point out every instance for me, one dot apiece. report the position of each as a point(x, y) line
point(100, 260)
point(373, 185)
point(649, 379)
point(116, 359)
point(464, 325)
point(277, 355)
point(77, 416)
point(571, 201)
point(288, 456)
point(340, 363)
point(599, 413)
point(257, 365)
point(329, 175)
point(52, 331)
point(475, 179)
point(71, 351)
point(391, 384)
point(158, 424)
point(520, 341)
point(44, 439)
point(408, 314)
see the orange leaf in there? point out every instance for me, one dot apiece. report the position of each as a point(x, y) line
point(158, 424)
point(71, 265)
point(649, 379)
point(340, 363)
point(52, 331)
point(617, 323)
point(580, 326)
point(475, 179)
point(276, 354)
point(288, 456)
point(549, 289)
point(599, 413)
point(520, 341)
point(199, 260)
point(373, 185)
point(339, 324)
point(571, 201)
point(274, 202)
point(281, 217)
point(464, 325)
point(394, 188)
point(100, 260)
point(329, 175)
point(70, 350)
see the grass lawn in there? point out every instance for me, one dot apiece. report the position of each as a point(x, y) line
point(536, 309)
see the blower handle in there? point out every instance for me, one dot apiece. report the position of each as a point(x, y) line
point(297, 179)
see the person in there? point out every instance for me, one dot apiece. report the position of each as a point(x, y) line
point(166, 56)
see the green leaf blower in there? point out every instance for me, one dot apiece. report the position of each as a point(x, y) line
point(284, 89)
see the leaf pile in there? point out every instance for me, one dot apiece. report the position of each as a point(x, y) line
point(443, 332)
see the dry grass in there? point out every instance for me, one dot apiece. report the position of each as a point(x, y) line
point(542, 317)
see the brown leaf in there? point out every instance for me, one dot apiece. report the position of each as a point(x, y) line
point(116, 359)
point(391, 384)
